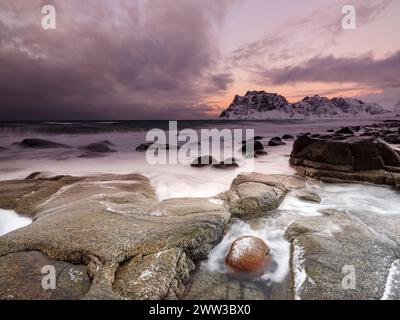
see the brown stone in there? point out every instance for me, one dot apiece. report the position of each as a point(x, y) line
point(248, 254)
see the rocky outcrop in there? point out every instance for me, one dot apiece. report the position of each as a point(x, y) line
point(345, 130)
point(230, 163)
point(337, 256)
point(308, 196)
point(274, 142)
point(360, 159)
point(250, 147)
point(256, 194)
point(388, 131)
point(263, 105)
point(204, 161)
point(144, 147)
point(114, 228)
point(97, 148)
point(248, 254)
point(39, 144)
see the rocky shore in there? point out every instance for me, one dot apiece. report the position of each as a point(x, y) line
point(110, 237)
point(113, 230)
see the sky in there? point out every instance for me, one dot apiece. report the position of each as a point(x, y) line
point(187, 59)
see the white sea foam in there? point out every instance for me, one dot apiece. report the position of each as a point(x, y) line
point(10, 221)
point(299, 271)
point(392, 287)
point(352, 198)
point(216, 201)
point(170, 181)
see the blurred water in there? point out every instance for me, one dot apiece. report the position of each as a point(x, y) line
point(10, 221)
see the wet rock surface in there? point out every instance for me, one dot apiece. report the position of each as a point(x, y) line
point(39, 144)
point(345, 130)
point(249, 148)
point(230, 163)
point(206, 285)
point(257, 194)
point(327, 248)
point(97, 148)
point(308, 196)
point(144, 147)
point(388, 131)
point(204, 161)
point(248, 254)
point(274, 142)
point(353, 159)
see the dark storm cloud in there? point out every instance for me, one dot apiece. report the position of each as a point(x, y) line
point(109, 59)
point(362, 70)
point(221, 81)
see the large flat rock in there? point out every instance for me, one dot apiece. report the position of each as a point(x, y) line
point(113, 225)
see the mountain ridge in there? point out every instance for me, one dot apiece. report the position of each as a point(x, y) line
point(267, 106)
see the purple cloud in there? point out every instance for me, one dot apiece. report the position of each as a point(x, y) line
point(362, 70)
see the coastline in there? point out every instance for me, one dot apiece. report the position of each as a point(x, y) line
point(116, 199)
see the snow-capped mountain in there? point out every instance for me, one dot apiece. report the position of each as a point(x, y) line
point(263, 105)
